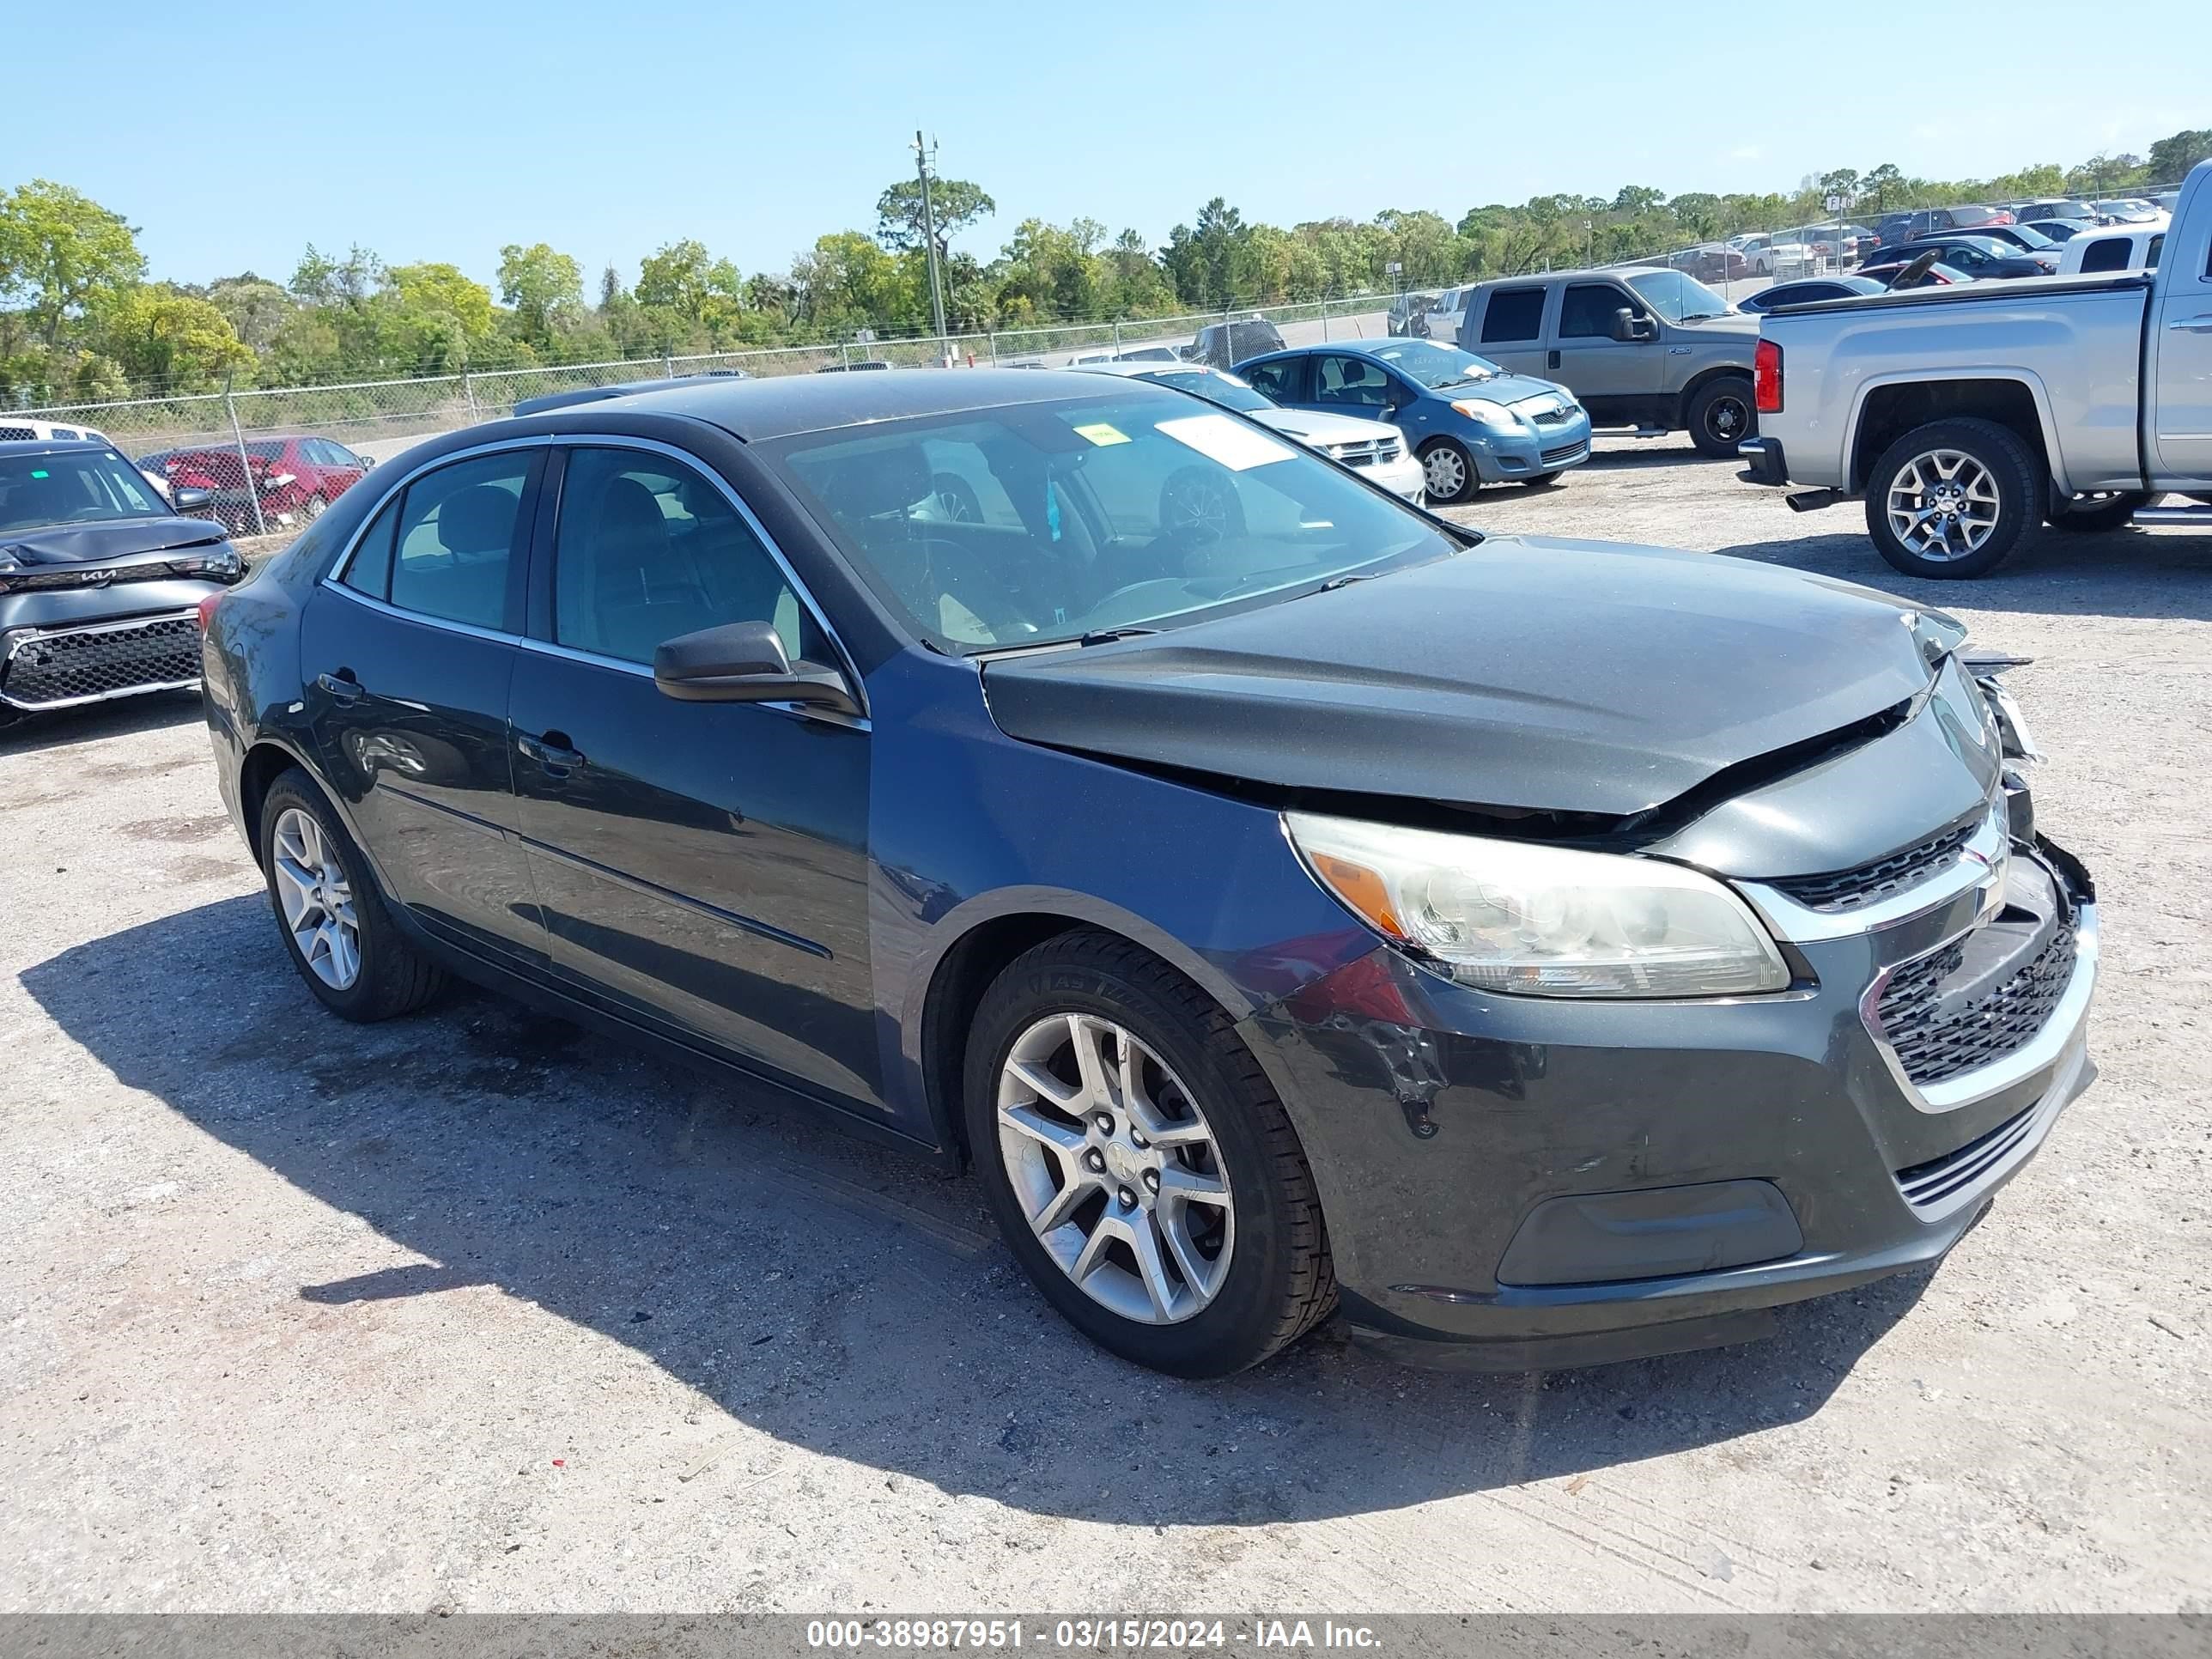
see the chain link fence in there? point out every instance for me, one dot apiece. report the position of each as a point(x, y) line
point(272, 457)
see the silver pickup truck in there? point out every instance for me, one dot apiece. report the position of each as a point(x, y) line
point(1967, 416)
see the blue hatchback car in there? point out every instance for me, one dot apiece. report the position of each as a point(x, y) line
point(1470, 421)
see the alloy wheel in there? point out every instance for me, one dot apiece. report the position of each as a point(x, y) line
point(317, 899)
point(1444, 472)
point(1115, 1168)
point(1943, 505)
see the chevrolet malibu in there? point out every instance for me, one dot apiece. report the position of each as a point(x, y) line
point(1538, 952)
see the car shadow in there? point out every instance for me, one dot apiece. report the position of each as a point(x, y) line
point(843, 1299)
point(2113, 572)
point(93, 722)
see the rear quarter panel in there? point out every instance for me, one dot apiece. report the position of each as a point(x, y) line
point(2076, 348)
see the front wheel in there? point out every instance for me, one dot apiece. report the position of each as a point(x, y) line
point(1447, 472)
point(1721, 416)
point(1140, 1168)
point(1952, 498)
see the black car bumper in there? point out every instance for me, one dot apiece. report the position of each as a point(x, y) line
point(1767, 464)
point(1513, 1184)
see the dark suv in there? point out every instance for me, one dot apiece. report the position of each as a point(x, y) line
point(1933, 222)
point(1224, 345)
point(1286, 901)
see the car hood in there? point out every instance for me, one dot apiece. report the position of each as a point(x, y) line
point(1729, 322)
point(1324, 429)
point(105, 543)
point(1511, 389)
point(1527, 673)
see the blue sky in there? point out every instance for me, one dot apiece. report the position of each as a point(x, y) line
point(442, 132)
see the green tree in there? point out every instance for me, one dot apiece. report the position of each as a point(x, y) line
point(59, 250)
point(256, 309)
point(161, 337)
point(2171, 158)
point(321, 280)
point(541, 285)
point(1884, 184)
point(955, 205)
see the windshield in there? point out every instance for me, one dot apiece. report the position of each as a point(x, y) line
point(74, 487)
point(2031, 236)
point(1043, 522)
point(1223, 389)
point(1677, 298)
point(1426, 363)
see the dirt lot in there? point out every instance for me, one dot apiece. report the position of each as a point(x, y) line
point(473, 1310)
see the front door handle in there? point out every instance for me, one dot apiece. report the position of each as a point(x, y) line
point(1551, 359)
point(552, 751)
point(2191, 325)
point(341, 686)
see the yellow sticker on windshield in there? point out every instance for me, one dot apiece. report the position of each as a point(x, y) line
point(1102, 434)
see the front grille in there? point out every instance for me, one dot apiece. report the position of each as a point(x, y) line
point(1549, 416)
point(1869, 883)
point(60, 668)
point(1925, 1185)
point(1935, 1044)
point(1366, 454)
point(1564, 454)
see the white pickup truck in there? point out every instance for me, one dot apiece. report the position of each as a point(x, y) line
point(1966, 415)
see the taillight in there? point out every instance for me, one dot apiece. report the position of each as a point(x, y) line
point(1766, 377)
point(204, 612)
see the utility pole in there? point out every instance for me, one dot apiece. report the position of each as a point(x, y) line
point(923, 154)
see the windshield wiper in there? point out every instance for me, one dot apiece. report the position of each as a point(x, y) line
point(1108, 636)
point(1345, 580)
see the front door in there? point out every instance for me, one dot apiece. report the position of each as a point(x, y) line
point(700, 866)
point(2179, 418)
point(406, 662)
point(1601, 370)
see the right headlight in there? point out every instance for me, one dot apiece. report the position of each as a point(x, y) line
point(1539, 921)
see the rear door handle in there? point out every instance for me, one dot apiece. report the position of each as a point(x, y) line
point(552, 752)
point(2191, 325)
point(341, 686)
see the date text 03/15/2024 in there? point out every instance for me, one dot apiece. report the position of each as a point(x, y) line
point(1087, 1634)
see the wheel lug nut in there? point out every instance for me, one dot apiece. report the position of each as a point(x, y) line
point(1128, 1199)
point(1094, 1160)
point(1105, 1123)
point(1152, 1180)
point(1138, 1140)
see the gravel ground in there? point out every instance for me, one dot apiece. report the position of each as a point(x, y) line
point(476, 1311)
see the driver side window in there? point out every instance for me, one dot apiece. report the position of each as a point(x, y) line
point(1352, 382)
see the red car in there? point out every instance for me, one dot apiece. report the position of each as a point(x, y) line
point(294, 479)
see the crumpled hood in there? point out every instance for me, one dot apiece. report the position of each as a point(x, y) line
point(107, 544)
point(1529, 673)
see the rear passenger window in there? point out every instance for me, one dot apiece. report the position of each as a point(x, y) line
point(369, 570)
point(2151, 253)
point(647, 551)
point(1513, 314)
point(458, 535)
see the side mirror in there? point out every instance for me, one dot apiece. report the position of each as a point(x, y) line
point(745, 662)
point(367, 461)
point(186, 499)
point(1628, 328)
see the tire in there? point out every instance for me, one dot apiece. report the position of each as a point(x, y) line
point(1450, 458)
point(1721, 413)
point(2015, 495)
point(2112, 512)
point(390, 975)
point(1270, 1245)
point(1540, 481)
point(312, 508)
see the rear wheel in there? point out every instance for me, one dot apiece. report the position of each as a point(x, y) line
point(1952, 498)
point(1722, 414)
point(1448, 471)
point(1142, 1171)
point(336, 929)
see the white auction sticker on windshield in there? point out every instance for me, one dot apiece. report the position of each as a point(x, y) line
point(1232, 443)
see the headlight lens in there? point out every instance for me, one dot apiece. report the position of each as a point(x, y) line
point(1484, 412)
point(1536, 921)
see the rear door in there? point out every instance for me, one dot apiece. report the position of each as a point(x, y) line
point(2179, 418)
point(702, 866)
point(1509, 331)
point(405, 658)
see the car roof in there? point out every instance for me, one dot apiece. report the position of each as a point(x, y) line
point(1143, 369)
point(54, 445)
point(782, 405)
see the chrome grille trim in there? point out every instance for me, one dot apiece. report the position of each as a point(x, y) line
point(1981, 864)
